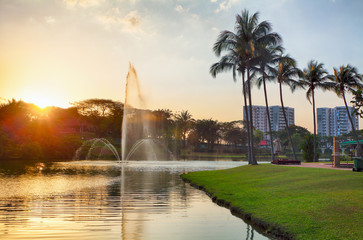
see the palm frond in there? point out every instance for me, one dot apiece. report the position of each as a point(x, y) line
point(309, 93)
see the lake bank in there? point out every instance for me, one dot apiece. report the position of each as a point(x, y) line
point(290, 202)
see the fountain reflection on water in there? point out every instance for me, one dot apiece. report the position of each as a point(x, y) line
point(86, 200)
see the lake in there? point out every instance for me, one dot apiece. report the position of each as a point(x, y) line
point(109, 200)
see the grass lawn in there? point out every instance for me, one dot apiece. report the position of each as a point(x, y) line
point(306, 203)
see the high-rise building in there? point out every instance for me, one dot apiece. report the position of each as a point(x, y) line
point(335, 121)
point(260, 120)
point(277, 117)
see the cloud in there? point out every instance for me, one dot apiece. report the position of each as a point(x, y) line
point(213, 1)
point(49, 19)
point(130, 23)
point(180, 9)
point(227, 4)
point(83, 3)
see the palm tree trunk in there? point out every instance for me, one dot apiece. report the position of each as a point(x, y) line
point(351, 122)
point(286, 123)
point(247, 118)
point(253, 158)
point(268, 118)
point(314, 118)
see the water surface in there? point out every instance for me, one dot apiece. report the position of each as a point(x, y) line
point(102, 200)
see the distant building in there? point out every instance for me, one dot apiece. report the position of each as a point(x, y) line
point(277, 117)
point(335, 121)
point(260, 120)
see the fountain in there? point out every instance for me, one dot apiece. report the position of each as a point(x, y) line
point(138, 137)
point(138, 131)
point(90, 147)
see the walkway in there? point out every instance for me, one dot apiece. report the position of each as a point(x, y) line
point(324, 165)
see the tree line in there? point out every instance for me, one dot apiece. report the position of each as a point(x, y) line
point(256, 54)
point(31, 133)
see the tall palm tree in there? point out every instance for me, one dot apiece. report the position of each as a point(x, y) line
point(267, 59)
point(314, 76)
point(242, 50)
point(287, 73)
point(347, 79)
point(232, 60)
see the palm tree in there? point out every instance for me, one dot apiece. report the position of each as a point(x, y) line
point(314, 76)
point(184, 122)
point(228, 41)
point(242, 50)
point(347, 79)
point(287, 73)
point(267, 59)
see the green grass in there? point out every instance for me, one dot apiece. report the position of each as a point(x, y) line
point(306, 203)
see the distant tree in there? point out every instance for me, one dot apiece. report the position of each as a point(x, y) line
point(31, 151)
point(209, 132)
point(233, 134)
point(184, 122)
point(297, 139)
point(162, 123)
point(307, 148)
point(259, 136)
point(194, 139)
point(297, 133)
point(94, 107)
point(101, 114)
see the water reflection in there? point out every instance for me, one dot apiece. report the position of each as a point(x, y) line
point(89, 200)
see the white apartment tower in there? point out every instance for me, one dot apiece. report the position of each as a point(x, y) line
point(277, 117)
point(335, 121)
point(260, 120)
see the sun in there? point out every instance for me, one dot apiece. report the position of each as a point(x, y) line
point(44, 101)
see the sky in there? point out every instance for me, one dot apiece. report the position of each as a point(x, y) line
point(55, 52)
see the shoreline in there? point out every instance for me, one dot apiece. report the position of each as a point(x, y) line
point(288, 202)
point(268, 229)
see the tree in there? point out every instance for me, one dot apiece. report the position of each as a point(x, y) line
point(242, 49)
point(233, 134)
point(208, 131)
point(287, 73)
point(297, 133)
point(307, 148)
point(258, 136)
point(314, 76)
point(268, 57)
point(184, 123)
point(358, 102)
point(347, 79)
point(100, 113)
point(233, 60)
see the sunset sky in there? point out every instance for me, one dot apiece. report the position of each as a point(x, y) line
point(54, 52)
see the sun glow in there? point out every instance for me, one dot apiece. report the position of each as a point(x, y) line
point(44, 101)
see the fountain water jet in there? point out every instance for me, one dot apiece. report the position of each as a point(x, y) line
point(138, 136)
point(92, 143)
point(138, 139)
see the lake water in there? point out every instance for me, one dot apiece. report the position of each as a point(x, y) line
point(101, 200)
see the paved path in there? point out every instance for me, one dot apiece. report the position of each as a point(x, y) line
point(322, 165)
